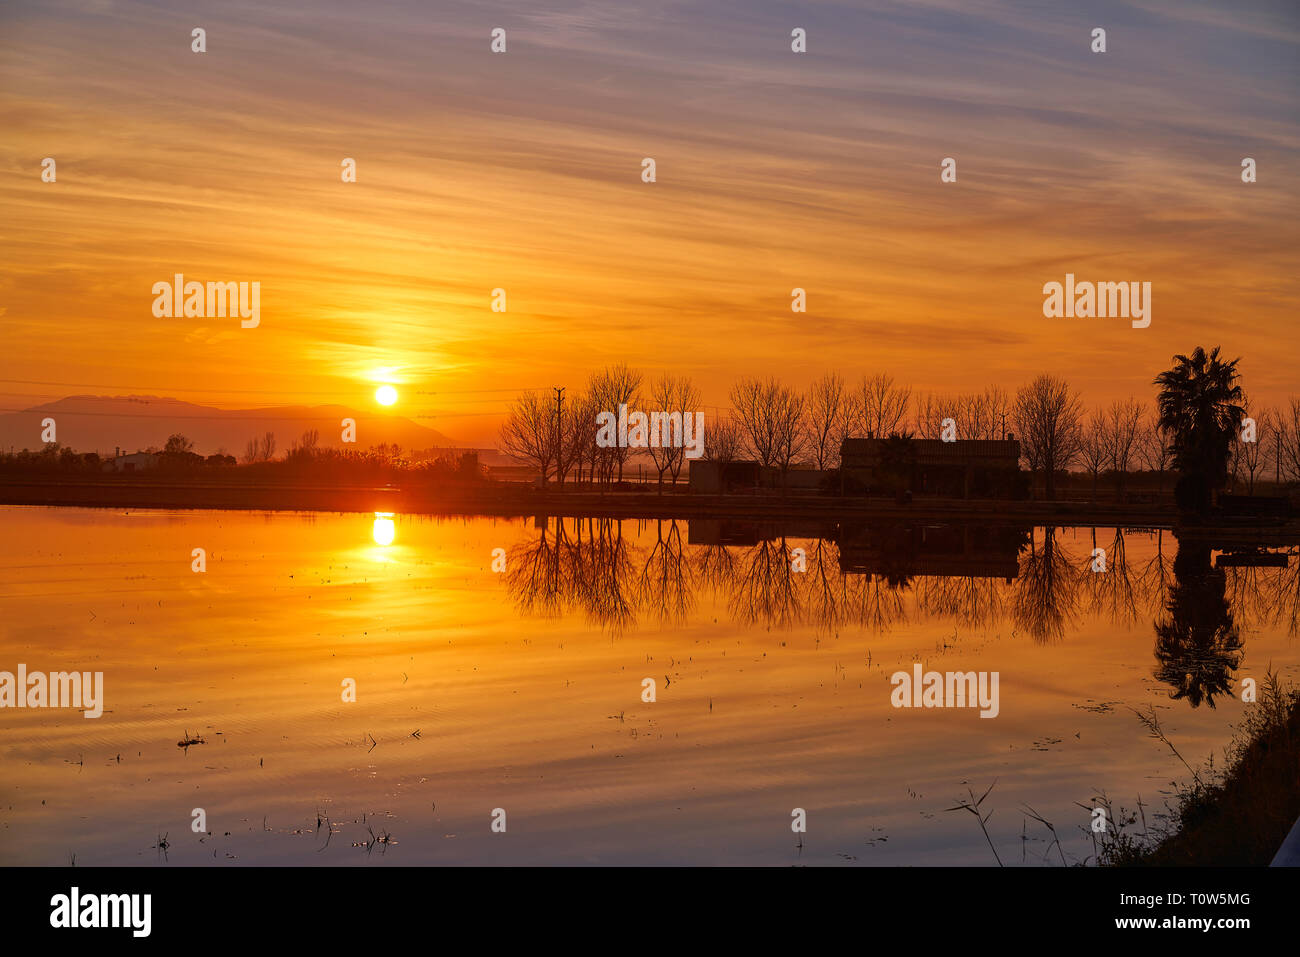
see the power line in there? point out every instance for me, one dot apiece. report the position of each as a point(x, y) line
point(118, 385)
point(237, 414)
point(232, 415)
point(458, 415)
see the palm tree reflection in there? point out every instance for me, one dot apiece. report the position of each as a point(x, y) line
point(1198, 646)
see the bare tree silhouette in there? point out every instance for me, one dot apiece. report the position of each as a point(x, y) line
point(664, 586)
point(765, 587)
point(1113, 592)
point(1046, 593)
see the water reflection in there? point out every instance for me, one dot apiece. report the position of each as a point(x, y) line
point(384, 529)
point(1047, 590)
point(1037, 581)
point(1198, 644)
point(778, 641)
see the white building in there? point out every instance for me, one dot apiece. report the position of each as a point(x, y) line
point(135, 462)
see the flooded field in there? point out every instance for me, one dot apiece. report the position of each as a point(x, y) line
point(500, 675)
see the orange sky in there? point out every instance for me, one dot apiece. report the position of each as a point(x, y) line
point(522, 171)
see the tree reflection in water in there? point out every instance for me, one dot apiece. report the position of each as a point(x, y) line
point(664, 583)
point(880, 577)
point(1198, 645)
point(1115, 590)
point(764, 587)
point(1047, 589)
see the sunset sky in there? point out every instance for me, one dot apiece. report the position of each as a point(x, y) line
point(522, 171)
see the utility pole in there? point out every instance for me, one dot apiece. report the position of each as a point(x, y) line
point(559, 435)
point(1277, 460)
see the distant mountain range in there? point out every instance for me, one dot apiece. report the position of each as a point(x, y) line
point(95, 423)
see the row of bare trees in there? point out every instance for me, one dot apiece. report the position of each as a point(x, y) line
point(1117, 438)
point(260, 448)
point(782, 427)
point(307, 451)
point(769, 422)
point(557, 436)
point(1275, 453)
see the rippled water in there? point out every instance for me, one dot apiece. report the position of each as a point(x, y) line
point(522, 689)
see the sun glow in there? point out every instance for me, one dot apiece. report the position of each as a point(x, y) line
point(385, 530)
point(385, 395)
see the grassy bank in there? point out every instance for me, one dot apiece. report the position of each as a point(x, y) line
point(1236, 816)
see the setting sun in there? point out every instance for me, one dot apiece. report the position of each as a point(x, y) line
point(730, 345)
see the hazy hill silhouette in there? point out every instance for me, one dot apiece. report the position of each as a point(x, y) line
point(90, 423)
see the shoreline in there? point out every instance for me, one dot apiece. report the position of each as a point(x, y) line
point(529, 501)
point(1244, 815)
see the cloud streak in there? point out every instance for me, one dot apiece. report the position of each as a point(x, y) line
point(522, 171)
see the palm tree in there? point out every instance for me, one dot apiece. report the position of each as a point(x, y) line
point(898, 462)
point(1200, 411)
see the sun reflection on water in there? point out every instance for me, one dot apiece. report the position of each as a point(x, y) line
point(385, 529)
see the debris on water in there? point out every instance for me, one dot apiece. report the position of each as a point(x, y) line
point(186, 741)
point(1099, 707)
point(383, 838)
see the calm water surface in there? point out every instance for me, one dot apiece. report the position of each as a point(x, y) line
point(525, 687)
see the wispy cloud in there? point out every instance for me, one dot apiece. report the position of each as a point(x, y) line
point(522, 171)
